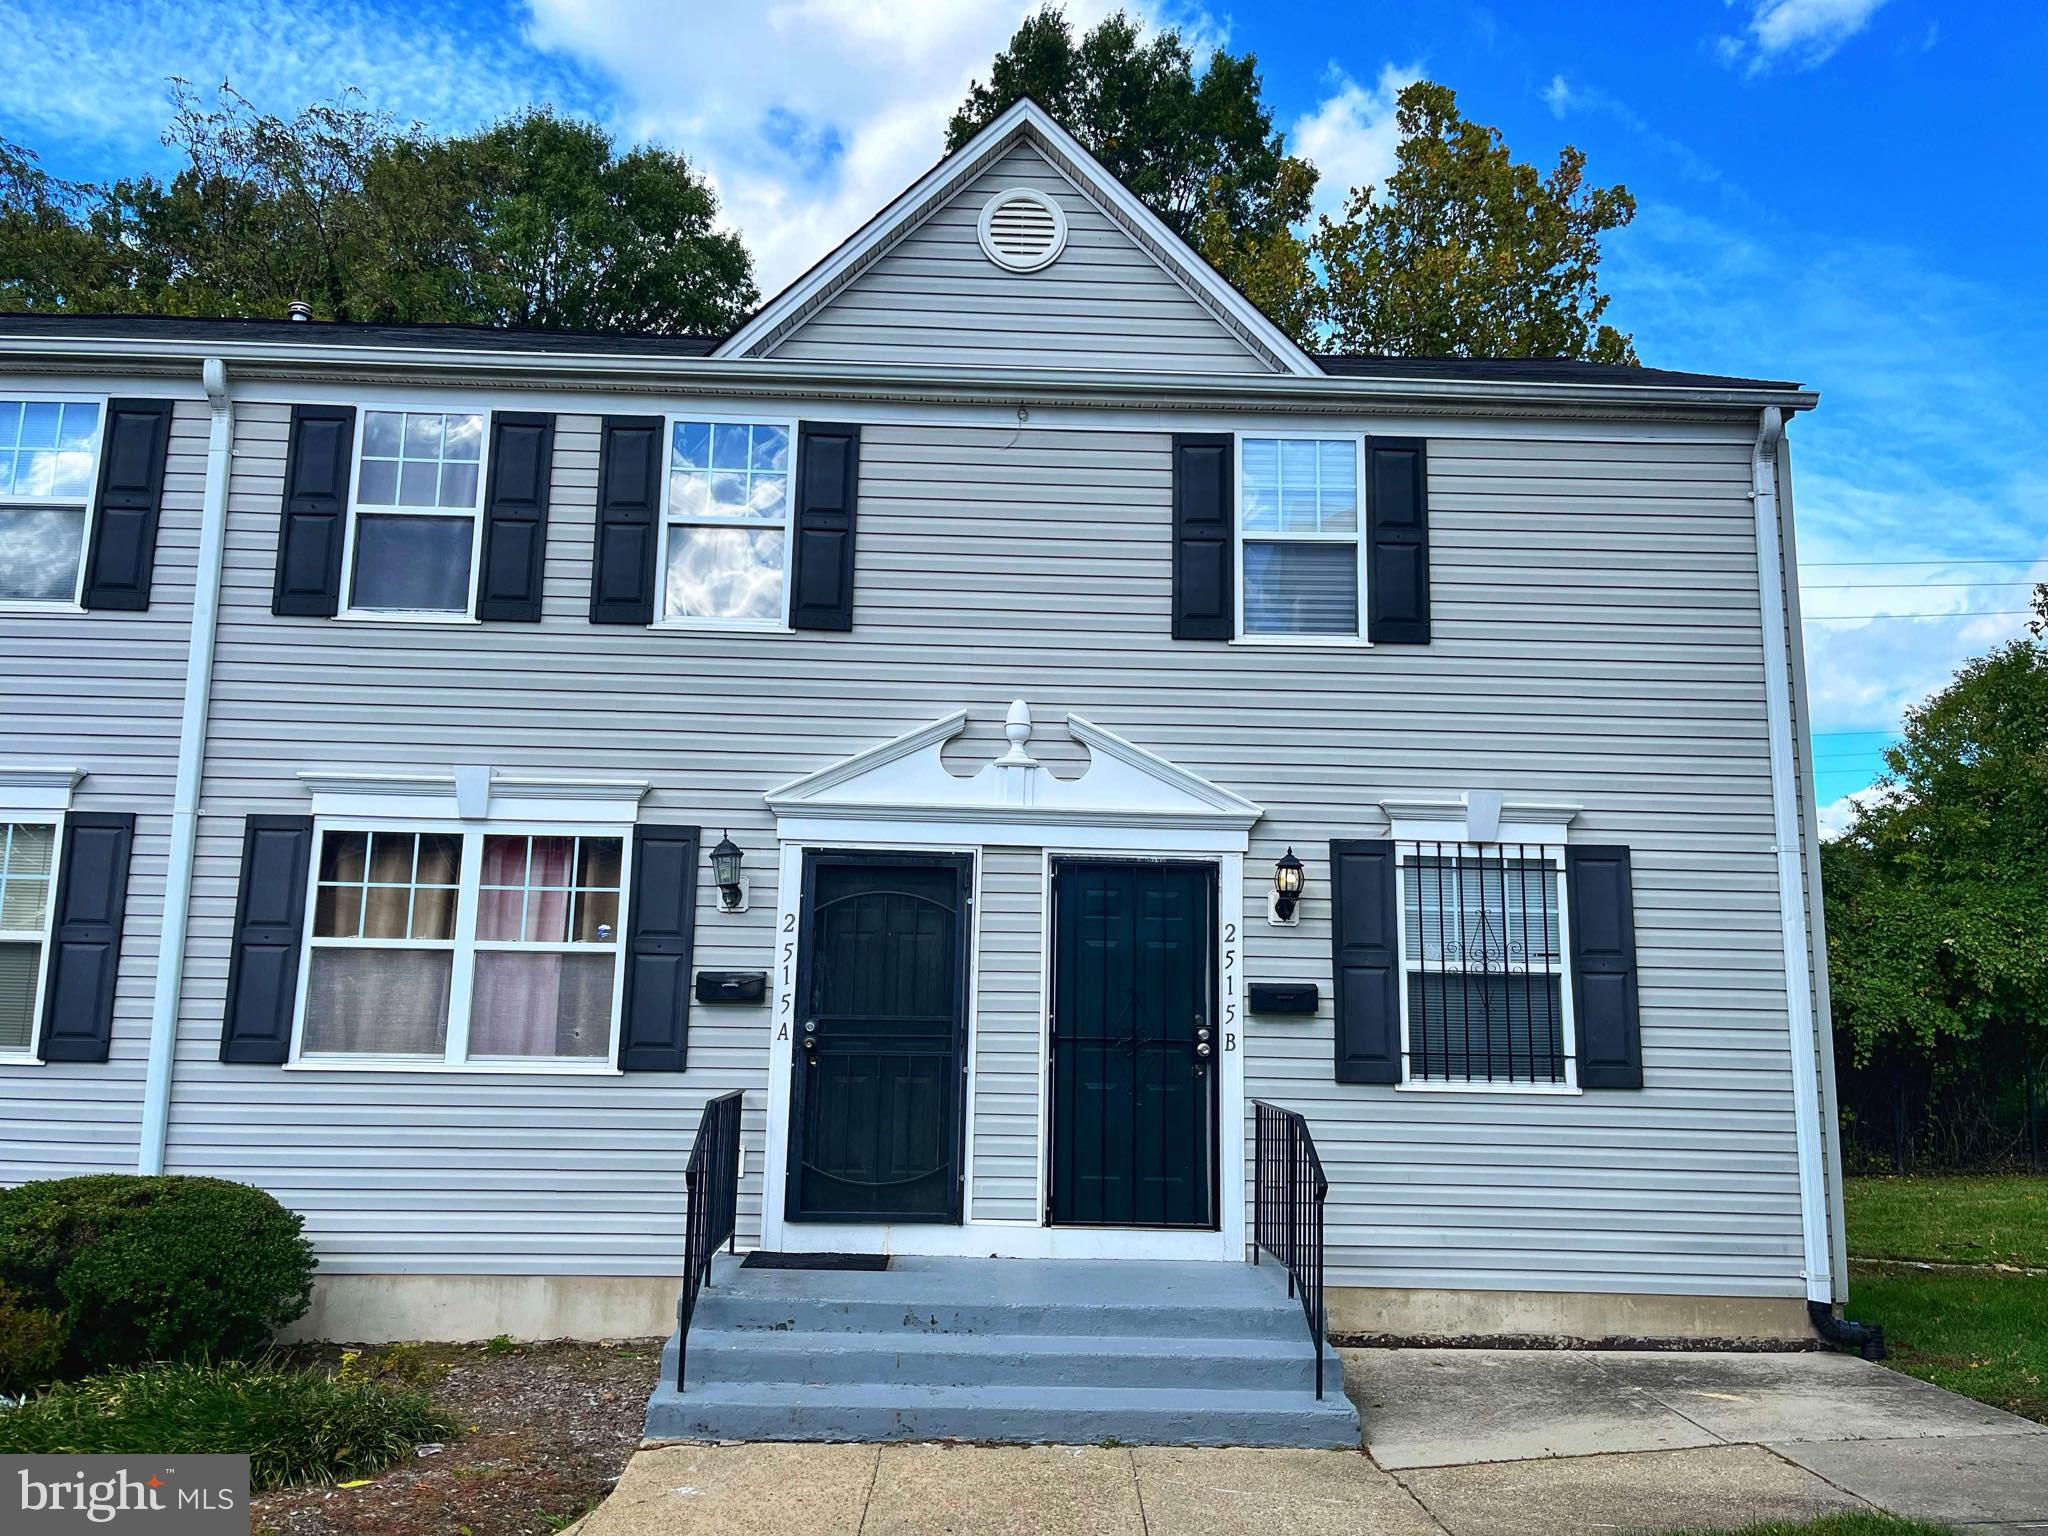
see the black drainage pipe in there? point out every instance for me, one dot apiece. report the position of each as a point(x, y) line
point(1867, 1339)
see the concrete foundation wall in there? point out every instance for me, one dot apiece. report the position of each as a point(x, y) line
point(1406, 1313)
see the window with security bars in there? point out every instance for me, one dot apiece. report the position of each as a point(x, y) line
point(1483, 964)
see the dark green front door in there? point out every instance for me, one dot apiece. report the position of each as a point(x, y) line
point(1133, 1044)
point(878, 1080)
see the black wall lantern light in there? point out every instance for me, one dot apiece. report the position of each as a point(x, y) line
point(725, 871)
point(1288, 880)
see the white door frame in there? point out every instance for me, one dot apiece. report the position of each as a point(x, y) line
point(899, 797)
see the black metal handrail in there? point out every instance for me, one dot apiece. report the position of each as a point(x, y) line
point(1287, 1211)
point(711, 1183)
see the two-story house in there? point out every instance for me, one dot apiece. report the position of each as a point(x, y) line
point(1108, 715)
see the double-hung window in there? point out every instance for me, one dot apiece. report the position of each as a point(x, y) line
point(416, 523)
point(1483, 974)
point(27, 865)
point(726, 536)
point(1301, 554)
point(49, 456)
point(489, 948)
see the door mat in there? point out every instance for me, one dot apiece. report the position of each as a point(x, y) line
point(762, 1260)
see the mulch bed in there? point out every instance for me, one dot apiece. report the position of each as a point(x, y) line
point(545, 1430)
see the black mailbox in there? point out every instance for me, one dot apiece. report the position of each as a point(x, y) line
point(1284, 997)
point(732, 986)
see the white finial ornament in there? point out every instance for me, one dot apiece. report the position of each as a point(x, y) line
point(1017, 726)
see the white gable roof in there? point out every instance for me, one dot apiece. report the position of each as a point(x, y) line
point(1024, 122)
point(904, 780)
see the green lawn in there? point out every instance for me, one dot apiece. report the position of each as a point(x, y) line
point(1963, 1220)
point(1981, 1331)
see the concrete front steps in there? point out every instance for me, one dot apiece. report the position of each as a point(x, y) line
point(1059, 1351)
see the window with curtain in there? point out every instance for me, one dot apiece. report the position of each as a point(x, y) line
point(727, 524)
point(49, 456)
point(1483, 972)
point(1299, 521)
point(418, 501)
point(464, 947)
point(28, 861)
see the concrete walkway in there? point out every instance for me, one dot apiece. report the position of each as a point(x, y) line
point(1464, 1442)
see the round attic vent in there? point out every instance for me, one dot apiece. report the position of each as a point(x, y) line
point(1022, 230)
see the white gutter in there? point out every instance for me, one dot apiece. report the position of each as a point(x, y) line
point(1804, 1043)
point(827, 380)
point(170, 955)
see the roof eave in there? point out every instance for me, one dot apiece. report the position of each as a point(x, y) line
point(758, 376)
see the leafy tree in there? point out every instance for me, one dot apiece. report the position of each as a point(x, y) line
point(1937, 903)
point(534, 221)
point(570, 235)
point(1199, 152)
point(1466, 251)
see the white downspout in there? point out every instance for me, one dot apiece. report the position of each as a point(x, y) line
point(170, 955)
point(1806, 1108)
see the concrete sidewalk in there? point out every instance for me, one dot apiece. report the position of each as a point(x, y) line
point(1465, 1442)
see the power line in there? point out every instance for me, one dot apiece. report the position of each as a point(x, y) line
point(1902, 586)
point(1965, 613)
point(1814, 565)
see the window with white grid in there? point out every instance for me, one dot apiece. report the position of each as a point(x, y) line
point(726, 529)
point(49, 459)
point(1299, 546)
point(419, 486)
point(28, 861)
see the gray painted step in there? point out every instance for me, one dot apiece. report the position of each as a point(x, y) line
point(1030, 1415)
point(954, 1359)
point(1007, 1350)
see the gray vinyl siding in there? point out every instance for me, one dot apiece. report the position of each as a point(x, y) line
point(1597, 639)
point(1009, 1024)
point(937, 298)
point(102, 692)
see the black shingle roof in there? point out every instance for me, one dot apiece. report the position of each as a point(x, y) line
point(1497, 370)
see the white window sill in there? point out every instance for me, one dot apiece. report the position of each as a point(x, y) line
point(355, 616)
point(535, 1068)
point(1302, 643)
point(719, 627)
point(40, 605)
point(1495, 1090)
point(22, 1061)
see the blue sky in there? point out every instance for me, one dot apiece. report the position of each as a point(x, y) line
point(1846, 192)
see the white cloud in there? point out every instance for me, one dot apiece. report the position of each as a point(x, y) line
point(1805, 33)
point(1558, 96)
point(1834, 817)
point(1351, 135)
point(809, 115)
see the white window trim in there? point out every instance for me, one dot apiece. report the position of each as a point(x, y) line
point(1356, 641)
point(355, 509)
point(76, 602)
point(731, 418)
point(1553, 855)
point(463, 946)
point(54, 819)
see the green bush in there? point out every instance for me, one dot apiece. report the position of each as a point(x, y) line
point(296, 1426)
point(155, 1268)
point(31, 1342)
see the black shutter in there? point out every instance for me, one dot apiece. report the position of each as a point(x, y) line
point(516, 516)
point(318, 463)
point(85, 949)
point(655, 1016)
point(1204, 552)
point(828, 489)
point(628, 521)
point(270, 923)
point(1604, 1006)
point(1365, 961)
point(135, 445)
point(1397, 528)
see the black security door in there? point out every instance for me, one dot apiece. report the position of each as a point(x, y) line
point(878, 1080)
point(1133, 1045)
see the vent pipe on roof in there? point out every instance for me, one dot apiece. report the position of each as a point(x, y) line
point(299, 309)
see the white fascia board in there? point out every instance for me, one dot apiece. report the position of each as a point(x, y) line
point(656, 373)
